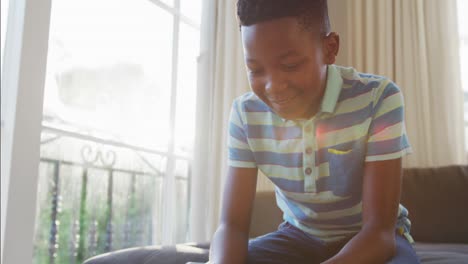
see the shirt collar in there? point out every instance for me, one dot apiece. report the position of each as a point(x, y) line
point(332, 90)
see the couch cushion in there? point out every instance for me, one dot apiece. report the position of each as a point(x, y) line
point(437, 201)
point(438, 253)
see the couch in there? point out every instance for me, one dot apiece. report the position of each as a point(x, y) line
point(436, 198)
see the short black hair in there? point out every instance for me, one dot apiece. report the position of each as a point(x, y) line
point(310, 13)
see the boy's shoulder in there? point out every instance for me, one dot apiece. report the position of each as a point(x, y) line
point(358, 83)
point(350, 74)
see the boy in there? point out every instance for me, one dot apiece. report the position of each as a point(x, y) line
point(330, 139)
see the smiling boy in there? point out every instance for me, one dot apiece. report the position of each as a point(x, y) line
point(330, 139)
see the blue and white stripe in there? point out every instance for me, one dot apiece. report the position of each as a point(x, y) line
point(319, 191)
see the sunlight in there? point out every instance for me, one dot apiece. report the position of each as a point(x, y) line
point(109, 71)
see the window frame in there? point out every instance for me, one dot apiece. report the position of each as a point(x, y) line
point(23, 81)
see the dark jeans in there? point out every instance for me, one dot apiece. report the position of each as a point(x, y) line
point(291, 245)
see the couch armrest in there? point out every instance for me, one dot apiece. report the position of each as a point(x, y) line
point(437, 201)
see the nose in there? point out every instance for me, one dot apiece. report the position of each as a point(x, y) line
point(275, 84)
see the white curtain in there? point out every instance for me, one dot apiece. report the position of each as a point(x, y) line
point(415, 43)
point(222, 78)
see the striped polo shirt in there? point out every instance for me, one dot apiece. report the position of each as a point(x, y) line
point(317, 164)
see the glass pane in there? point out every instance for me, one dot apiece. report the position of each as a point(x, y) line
point(168, 2)
point(43, 213)
point(157, 209)
point(96, 209)
point(189, 39)
point(192, 9)
point(182, 169)
point(462, 18)
point(3, 26)
point(75, 176)
point(132, 206)
point(109, 70)
point(68, 215)
point(181, 220)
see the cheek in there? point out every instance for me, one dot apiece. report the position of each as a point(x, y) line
point(257, 86)
point(302, 80)
point(312, 74)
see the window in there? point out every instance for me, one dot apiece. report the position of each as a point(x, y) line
point(3, 26)
point(118, 126)
point(463, 28)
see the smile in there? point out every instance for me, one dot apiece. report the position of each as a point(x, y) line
point(283, 101)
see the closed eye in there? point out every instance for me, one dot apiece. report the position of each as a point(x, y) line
point(292, 66)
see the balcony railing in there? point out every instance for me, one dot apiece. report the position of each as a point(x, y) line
point(94, 198)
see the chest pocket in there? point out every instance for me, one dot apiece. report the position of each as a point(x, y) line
point(346, 171)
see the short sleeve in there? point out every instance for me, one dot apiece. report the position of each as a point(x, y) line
point(387, 133)
point(239, 152)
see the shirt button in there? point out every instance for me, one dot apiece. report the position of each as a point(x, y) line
point(309, 151)
point(308, 171)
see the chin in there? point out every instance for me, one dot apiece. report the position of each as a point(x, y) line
point(288, 116)
point(290, 112)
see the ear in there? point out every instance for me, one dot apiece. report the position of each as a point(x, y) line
point(331, 45)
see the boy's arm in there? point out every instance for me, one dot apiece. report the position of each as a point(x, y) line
point(375, 243)
point(230, 241)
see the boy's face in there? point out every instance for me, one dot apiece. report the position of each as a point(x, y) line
point(287, 65)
